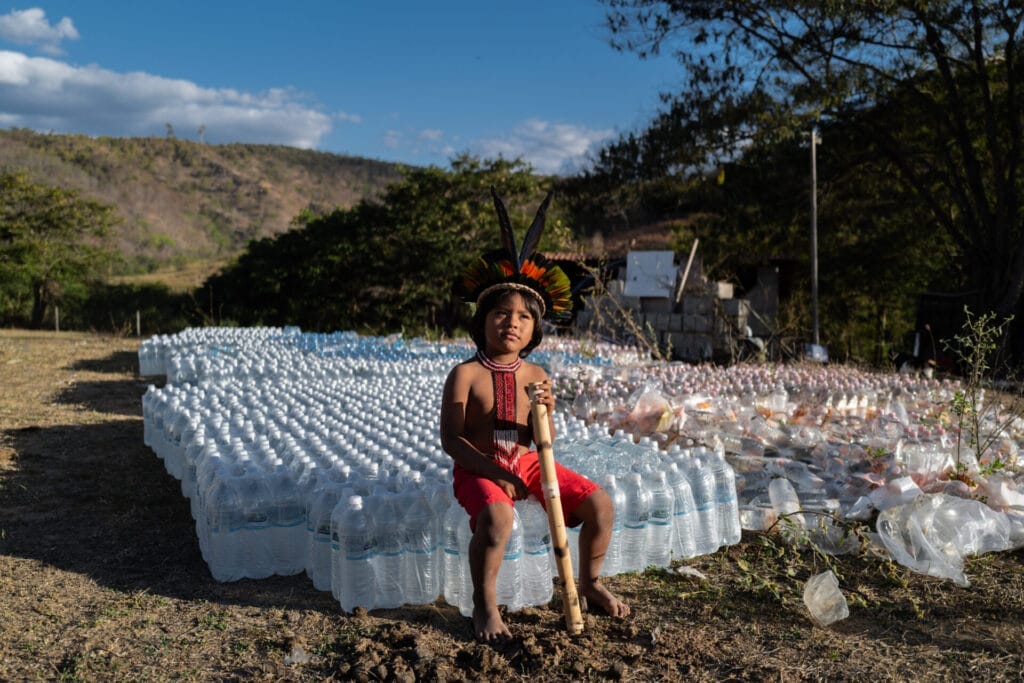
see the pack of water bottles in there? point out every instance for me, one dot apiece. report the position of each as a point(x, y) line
point(321, 454)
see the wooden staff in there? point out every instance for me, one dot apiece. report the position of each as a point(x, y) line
point(556, 521)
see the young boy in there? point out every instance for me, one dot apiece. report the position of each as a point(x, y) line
point(485, 427)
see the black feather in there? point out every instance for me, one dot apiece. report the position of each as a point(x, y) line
point(508, 238)
point(532, 239)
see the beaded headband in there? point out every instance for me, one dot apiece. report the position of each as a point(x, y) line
point(522, 270)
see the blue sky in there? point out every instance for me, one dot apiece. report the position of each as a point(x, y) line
point(408, 81)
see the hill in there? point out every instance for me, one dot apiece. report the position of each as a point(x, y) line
point(184, 201)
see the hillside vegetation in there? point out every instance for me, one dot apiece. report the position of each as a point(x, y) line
point(182, 201)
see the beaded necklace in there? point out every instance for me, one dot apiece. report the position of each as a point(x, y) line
point(506, 431)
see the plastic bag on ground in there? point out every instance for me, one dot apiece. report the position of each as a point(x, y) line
point(824, 600)
point(1016, 521)
point(926, 461)
point(895, 492)
point(649, 410)
point(1003, 492)
point(934, 533)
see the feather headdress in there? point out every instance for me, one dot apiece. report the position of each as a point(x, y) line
point(523, 270)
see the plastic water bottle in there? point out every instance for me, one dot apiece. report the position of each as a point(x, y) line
point(465, 535)
point(684, 543)
point(613, 556)
point(420, 568)
point(729, 530)
point(787, 506)
point(287, 522)
point(634, 523)
point(455, 520)
point(572, 540)
point(510, 575)
point(702, 484)
point(659, 524)
point(354, 543)
point(779, 400)
point(224, 520)
point(536, 562)
point(387, 562)
point(318, 525)
point(256, 532)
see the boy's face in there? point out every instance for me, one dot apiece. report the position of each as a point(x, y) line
point(508, 326)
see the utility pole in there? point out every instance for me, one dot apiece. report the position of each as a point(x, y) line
point(815, 140)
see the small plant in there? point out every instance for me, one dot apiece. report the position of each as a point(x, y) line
point(979, 351)
point(876, 452)
point(216, 620)
point(612, 318)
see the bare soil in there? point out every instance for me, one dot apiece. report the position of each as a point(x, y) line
point(101, 579)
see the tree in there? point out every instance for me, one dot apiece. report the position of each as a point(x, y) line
point(51, 241)
point(384, 265)
point(946, 75)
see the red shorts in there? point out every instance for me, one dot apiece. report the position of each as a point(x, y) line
point(475, 493)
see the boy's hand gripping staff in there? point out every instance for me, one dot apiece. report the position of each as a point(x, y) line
point(556, 521)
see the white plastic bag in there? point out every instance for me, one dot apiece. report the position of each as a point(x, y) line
point(934, 533)
point(824, 600)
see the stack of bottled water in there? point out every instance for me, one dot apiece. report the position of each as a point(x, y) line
point(669, 504)
point(196, 344)
point(321, 454)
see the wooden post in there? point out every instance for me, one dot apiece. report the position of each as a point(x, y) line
point(138, 324)
point(686, 273)
point(556, 520)
point(56, 318)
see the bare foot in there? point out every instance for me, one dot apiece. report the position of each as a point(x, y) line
point(488, 626)
point(599, 596)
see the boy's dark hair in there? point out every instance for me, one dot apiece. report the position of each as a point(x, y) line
point(476, 326)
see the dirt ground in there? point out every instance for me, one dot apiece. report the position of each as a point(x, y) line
point(101, 579)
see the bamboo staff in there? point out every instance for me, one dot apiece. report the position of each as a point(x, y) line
point(556, 521)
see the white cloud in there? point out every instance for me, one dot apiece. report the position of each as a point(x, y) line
point(548, 147)
point(46, 94)
point(30, 27)
point(425, 141)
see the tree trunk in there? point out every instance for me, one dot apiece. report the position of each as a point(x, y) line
point(880, 325)
point(38, 304)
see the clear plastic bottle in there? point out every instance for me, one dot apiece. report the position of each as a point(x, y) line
point(223, 522)
point(257, 500)
point(779, 401)
point(318, 525)
point(420, 570)
point(193, 454)
point(702, 484)
point(355, 543)
point(729, 529)
point(572, 539)
point(536, 562)
point(634, 523)
point(465, 536)
point(455, 519)
point(613, 556)
point(684, 543)
point(787, 506)
point(287, 521)
point(387, 562)
point(510, 575)
point(659, 524)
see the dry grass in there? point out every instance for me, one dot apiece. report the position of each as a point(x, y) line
point(102, 580)
point(187, 278)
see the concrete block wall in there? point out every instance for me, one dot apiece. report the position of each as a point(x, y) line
point(702, 326)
